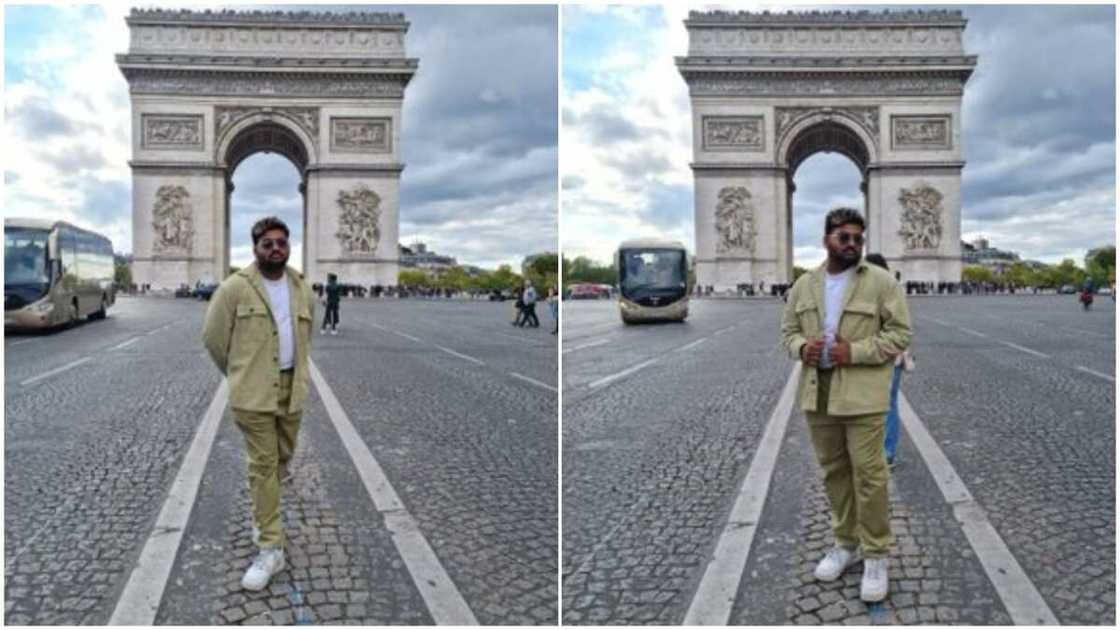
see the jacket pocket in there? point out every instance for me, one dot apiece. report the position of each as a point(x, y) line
point(809, 319)
point(860, 321)
point(252, 323)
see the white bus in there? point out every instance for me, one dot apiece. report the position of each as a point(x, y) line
point(652, 280)
point(55, 274)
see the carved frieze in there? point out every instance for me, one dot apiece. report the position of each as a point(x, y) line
point(866, 117)
point(849, 40)
point(175, 132)
point(827, 17)
point(921, 217)
point(266, 84)
point(735, 221)
point(359, 228)
point(361, 135)
point(745, 84)
point(267, 40)
point(172, 220)
point(306, 117)
point(733, 133)
point(921, 132)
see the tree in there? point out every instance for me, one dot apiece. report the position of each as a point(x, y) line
point(1100, 264)
point(583, 269)
point(542, 271)
point(413, 277)
point(976, 273)
point(122, 274)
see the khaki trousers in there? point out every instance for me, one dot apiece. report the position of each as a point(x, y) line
point(270, 441)
point(850, 452)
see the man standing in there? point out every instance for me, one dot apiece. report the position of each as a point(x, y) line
point(847, 321)
point(333, 295)
point(258, 332)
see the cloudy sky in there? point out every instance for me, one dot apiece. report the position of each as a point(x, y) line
point(479, 135)
point(1038, 115)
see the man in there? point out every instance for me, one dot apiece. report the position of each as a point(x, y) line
point(258, 332)
point(333, 293)
point(530, 300)
point(847, 321)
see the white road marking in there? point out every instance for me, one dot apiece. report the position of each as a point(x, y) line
point(1096, 373)
point(587, 345)
point(461, 355)
point(532, 380)
point(1027, 350)
point(723, 330)
point(440, 594)
point(691, 345)
point(712, 603)
point(1090, 332)
point(125, 344)
point(626, 372)
point(972, 332)
point(399, 334)
point(20, 342)
point(161, 328)
point(142, 594)
point(1019, 596)
point(72, 364)
point(936, 321)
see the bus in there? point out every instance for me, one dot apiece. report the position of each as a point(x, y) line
point(652, 280)
point(55, 274)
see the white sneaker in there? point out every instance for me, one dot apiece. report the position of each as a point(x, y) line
point(256, 535)
point(334, 331)
point(268, 563)
point(873, 586)
point(322, 331)
point(832, 566)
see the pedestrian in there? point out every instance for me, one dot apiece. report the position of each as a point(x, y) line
point(529, 299)
point(331, 300)
point(902, 362)
point(554, 308)
point(518, 308)
point(258, 332)
point(847, 321)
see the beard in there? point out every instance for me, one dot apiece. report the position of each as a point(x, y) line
point(844, 258)
point(268, 264)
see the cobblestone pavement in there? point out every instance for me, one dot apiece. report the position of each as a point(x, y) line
point(1031, 437)
point(473, 459)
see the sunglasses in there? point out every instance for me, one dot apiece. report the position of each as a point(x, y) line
point(280, 243)
point(845, 237)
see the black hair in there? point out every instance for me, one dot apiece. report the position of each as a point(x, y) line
point(266, 224)
point(877, 259)
point(843, 216)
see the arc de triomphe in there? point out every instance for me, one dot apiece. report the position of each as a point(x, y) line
point(769, 90)
point(209, 89)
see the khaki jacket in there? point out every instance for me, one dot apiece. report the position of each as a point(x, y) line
point(241, 336)
point(876, 321)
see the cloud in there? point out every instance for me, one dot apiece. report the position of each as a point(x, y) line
point(479, 132)
point(1038, 143)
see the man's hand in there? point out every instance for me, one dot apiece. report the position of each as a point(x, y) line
point(811, 352)
point(841, 352)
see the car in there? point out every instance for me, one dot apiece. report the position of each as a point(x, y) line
point(1068, 289)
point(183, 291)
point(1104, 291)
point(206, 291)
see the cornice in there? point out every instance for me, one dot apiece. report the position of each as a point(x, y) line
point(393, 21)
point(826, 18)
point(259, 62)
point(702, 62)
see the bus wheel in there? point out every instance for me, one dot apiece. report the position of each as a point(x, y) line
point(102, 312)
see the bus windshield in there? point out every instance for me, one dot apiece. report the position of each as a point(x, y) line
point(25, 258)
point(652, 272)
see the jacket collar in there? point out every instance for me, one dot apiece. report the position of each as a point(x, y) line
point(256, 280)
point(818, 275)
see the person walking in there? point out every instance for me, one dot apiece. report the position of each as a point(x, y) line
point(554, 308)
point(847, 321)
point(518, 308)
point(902, 362)
point(529, 298)
point(258, 332)
point(331, 300)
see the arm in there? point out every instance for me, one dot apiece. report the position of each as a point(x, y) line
point(793, 337)
point(218, 329)
point(894, 335)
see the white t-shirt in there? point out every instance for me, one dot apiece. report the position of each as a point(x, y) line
point(282, 315)
point(834, 286)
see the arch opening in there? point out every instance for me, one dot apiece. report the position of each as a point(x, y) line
point(262, 161)
point(828, 166)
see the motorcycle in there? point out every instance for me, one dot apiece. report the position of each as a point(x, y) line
point(1086, 299)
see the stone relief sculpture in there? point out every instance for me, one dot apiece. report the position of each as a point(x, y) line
point(921, 216)
point(173, 220)
point(722, 132)
point(921, 132)
point(735, 221)
point(305, 117)
point(363, 135)
point(359, 227)
point(172, 131)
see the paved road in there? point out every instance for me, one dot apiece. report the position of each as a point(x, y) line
point(456, 409)
point(661, 438)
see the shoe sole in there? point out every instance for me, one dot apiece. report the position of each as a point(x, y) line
point(856, 560)
point(873, 600)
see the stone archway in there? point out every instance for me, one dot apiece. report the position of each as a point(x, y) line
point(209, 89)
point(770, 90)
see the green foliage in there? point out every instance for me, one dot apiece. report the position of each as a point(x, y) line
point(413, 277)
point(583, 269)
point(1100, 264)
point(542, 272)
point(122, 274)
point(976, 273)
